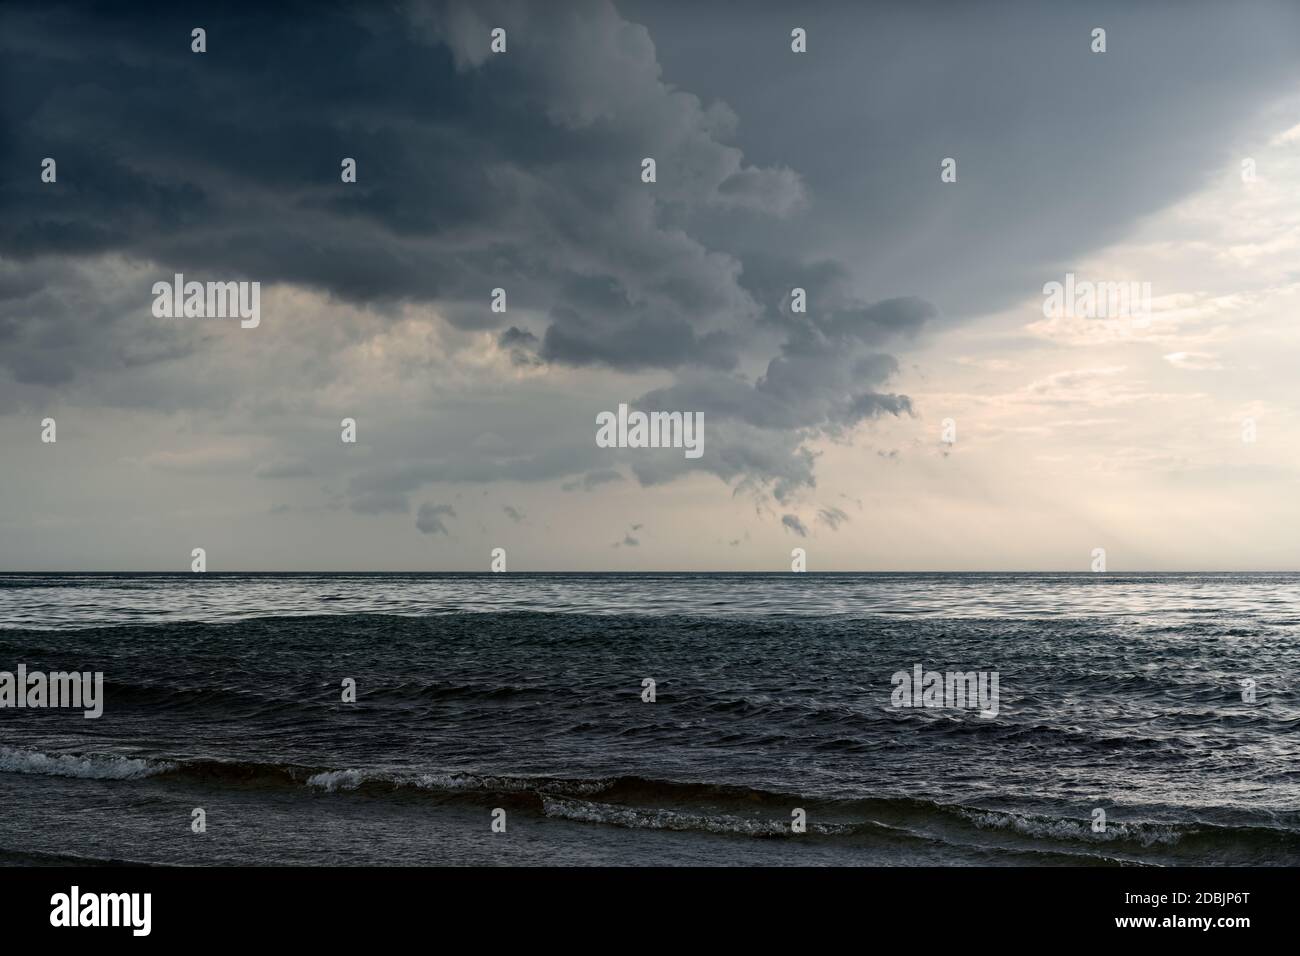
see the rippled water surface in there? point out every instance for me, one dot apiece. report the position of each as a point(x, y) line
point(1168, 702)
point(1163, 599)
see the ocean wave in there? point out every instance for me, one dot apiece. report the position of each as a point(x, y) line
point(84, 766)
point(453, 782)
point(1070, 830)
point(636, 802)
point(585, 811)
point(12, 857)
point(1192, 841)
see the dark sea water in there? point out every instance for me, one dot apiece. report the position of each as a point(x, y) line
point(773, 692)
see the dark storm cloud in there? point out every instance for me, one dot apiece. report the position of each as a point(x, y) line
point(650, 341)
point(826, 378)
point(522, 346)
point(56, 317)
point(522, 171)
point(517, 338)
point(1059, 150)
point(793, 523)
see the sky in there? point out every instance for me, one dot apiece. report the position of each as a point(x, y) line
point(924, 413)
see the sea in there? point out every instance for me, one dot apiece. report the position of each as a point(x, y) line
point(655, 720)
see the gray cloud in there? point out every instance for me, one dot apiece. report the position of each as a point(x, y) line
point(429, 518)
point(593, 479)
point(527, 177)
point(522, 171)
point(1011, 91)
point(832, 516)
point(522, 346)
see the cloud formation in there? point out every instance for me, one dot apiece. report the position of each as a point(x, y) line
point(522, 172)
point(429, 518)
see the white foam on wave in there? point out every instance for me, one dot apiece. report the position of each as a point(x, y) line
point(335, 780)
point(470, 781)
point(1147, 834)
point(637, 818)
point(84, 766)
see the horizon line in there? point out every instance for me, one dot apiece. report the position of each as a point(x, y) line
point(175, 573)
